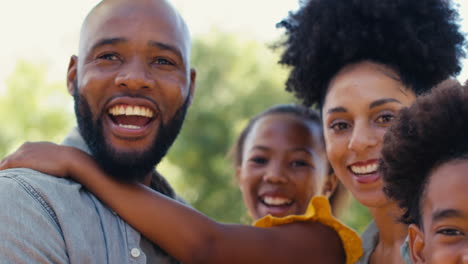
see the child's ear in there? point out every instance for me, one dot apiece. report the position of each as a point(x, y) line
point(330, 185)
point(416, 244)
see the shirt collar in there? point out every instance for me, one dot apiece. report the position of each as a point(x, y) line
point(74, 139)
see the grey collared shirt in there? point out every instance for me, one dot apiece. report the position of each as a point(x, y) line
point(44, 219)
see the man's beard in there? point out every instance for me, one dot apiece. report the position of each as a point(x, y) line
point(130, 166)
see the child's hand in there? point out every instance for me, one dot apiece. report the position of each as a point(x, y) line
point(45, 157)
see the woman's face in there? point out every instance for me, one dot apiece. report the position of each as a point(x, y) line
point(362, 101)
point(283, 165)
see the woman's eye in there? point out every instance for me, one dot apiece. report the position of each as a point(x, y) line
point(450, 232)
point(109, 57)
point(339, 126)
point(385, 119)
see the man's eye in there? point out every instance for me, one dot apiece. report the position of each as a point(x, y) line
point(109, 56)
point(162, 61)
point(450, 232)
point(258, 160)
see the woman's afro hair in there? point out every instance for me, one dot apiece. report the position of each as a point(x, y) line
point(419, 39)
point(431, 132)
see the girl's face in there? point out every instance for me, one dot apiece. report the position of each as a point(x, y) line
point(362, 101)
point(283, 165)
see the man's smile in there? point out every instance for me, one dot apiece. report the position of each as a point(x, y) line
point(131, 118)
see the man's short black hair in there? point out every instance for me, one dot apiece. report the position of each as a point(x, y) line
point(433, 131)
point(419, 39)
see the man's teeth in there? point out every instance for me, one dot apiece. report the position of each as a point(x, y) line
point(365, 169)
point(276, 200)
point(129, 126)
point(131, 111)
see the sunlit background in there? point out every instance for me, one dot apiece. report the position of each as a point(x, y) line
point(238, 77)
point(46, 31)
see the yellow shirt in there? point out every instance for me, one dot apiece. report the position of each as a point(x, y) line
point(319, 211)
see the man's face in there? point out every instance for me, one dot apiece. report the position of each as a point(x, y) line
point(443, 235)
point(131, 84)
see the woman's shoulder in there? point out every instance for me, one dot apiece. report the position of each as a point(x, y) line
point(319, 211)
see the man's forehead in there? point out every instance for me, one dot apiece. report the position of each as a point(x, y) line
point(122, 13)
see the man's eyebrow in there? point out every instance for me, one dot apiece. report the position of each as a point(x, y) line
point(382, 102)
point(446, 213)
point(108, 41)
point(164, 46)
point(337, 110)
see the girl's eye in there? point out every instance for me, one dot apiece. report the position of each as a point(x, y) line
point(299, 163)
point(450, 232)
point(258, 160)
point(109, 57)
point(339, 126)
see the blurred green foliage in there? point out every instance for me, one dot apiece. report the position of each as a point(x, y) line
point(33, 109)
point(236, 79)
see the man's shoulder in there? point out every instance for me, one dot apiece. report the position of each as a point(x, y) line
point(27, 177)
point(59, 198)
point(45, 189)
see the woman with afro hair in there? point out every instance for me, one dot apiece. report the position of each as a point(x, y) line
point(425, 168)
point(360, 62)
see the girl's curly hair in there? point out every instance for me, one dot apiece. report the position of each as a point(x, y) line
point(420, 40)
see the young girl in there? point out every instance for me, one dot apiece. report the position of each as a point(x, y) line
point(281, 165)
point(269, 131)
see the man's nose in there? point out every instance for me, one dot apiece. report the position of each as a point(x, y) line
point(275, 173)
point(363, 137)
point(135, 75)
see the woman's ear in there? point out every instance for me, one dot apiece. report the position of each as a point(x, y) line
point(330, 185)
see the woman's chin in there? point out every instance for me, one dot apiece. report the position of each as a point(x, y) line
point(372, 198)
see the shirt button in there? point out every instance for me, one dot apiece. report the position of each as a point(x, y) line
point(135, 252)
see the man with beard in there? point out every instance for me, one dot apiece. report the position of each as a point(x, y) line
point(131, 84)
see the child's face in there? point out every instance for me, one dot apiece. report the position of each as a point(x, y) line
point(443, 237)
point(283, 165)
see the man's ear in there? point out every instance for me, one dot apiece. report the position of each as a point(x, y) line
point(416, 244)
point(72, 74)
point(238, 171)
point(193, 77)
point(330, 185)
